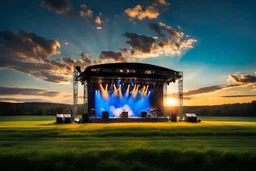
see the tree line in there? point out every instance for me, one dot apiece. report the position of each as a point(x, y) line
point(33, 108)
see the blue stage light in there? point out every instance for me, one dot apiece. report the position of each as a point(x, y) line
point(115, 105)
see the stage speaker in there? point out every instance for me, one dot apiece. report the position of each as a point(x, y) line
point(143, 114)
point(85, 118)
point(174, 117)
point(124, 115)
point(105, 115)
point(59, 118)
point(67, 118)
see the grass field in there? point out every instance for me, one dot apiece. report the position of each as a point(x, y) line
point(217, 143)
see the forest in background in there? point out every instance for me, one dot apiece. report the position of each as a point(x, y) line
point(34, 108)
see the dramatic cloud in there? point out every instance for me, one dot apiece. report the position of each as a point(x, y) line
point(112, 56)
point(59, 6)
point(243, 78)
point(209, 89)
point(98, 20)
point(29, 53)
point(156, 28)
point(144, 46)
point(27, 91)
point(140, 43)
point(141, 13)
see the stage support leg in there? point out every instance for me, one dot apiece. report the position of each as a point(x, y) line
point(85, 97)
point(75, 94)
point(180, 94)
point(165, 99)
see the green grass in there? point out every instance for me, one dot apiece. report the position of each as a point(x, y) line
point(217, 143)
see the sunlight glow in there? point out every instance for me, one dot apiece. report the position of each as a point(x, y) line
point(172, 101)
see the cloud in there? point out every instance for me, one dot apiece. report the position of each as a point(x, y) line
point(59, 6)
point(243, 95)
point(172, 32)
point(22, 100)
point(145, 46)
point(208, 89)
point(27, 91)
point(29, 53)
point(140, 43)
point(99, 28)
point(156, 28)
point(98, 20)
point(86, 14)
point(141, 13)
point(243, 78)
point(124, 50)
point(161, 2)
point(112, 56)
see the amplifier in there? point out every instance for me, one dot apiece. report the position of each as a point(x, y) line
point(143, 114)
point(105, 114)
point(124, 115)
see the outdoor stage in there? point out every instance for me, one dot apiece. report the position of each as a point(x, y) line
point(126, 92)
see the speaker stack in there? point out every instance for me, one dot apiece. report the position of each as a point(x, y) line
point(143, 114)
point(105, 115)
point(85, 118)
point(59, 118)
point(174, 117)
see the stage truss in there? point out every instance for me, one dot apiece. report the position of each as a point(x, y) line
point(107, 80)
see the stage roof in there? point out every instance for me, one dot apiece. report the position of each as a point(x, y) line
point(128, 70)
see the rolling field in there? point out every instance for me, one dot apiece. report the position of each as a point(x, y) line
point(217, 143)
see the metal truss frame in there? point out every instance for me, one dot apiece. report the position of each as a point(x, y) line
point(75, 93)
point(180, 94)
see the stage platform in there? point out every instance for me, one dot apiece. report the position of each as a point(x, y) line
point(134, 119)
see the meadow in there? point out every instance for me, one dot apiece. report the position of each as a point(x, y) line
point(217, 143)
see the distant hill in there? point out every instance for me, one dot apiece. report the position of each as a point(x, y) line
point(38, 108)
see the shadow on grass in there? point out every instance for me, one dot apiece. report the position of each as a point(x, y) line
point(129, 159)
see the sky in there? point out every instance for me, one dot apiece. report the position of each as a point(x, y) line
point(211, 41)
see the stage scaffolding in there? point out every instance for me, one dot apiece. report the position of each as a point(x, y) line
point(76, 79)
point(75, 93)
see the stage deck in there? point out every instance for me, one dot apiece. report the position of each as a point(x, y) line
point(137, 119)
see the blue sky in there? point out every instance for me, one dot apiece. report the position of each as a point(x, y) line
point(224, 31)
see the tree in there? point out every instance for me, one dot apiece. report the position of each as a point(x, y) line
point(66, 111)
